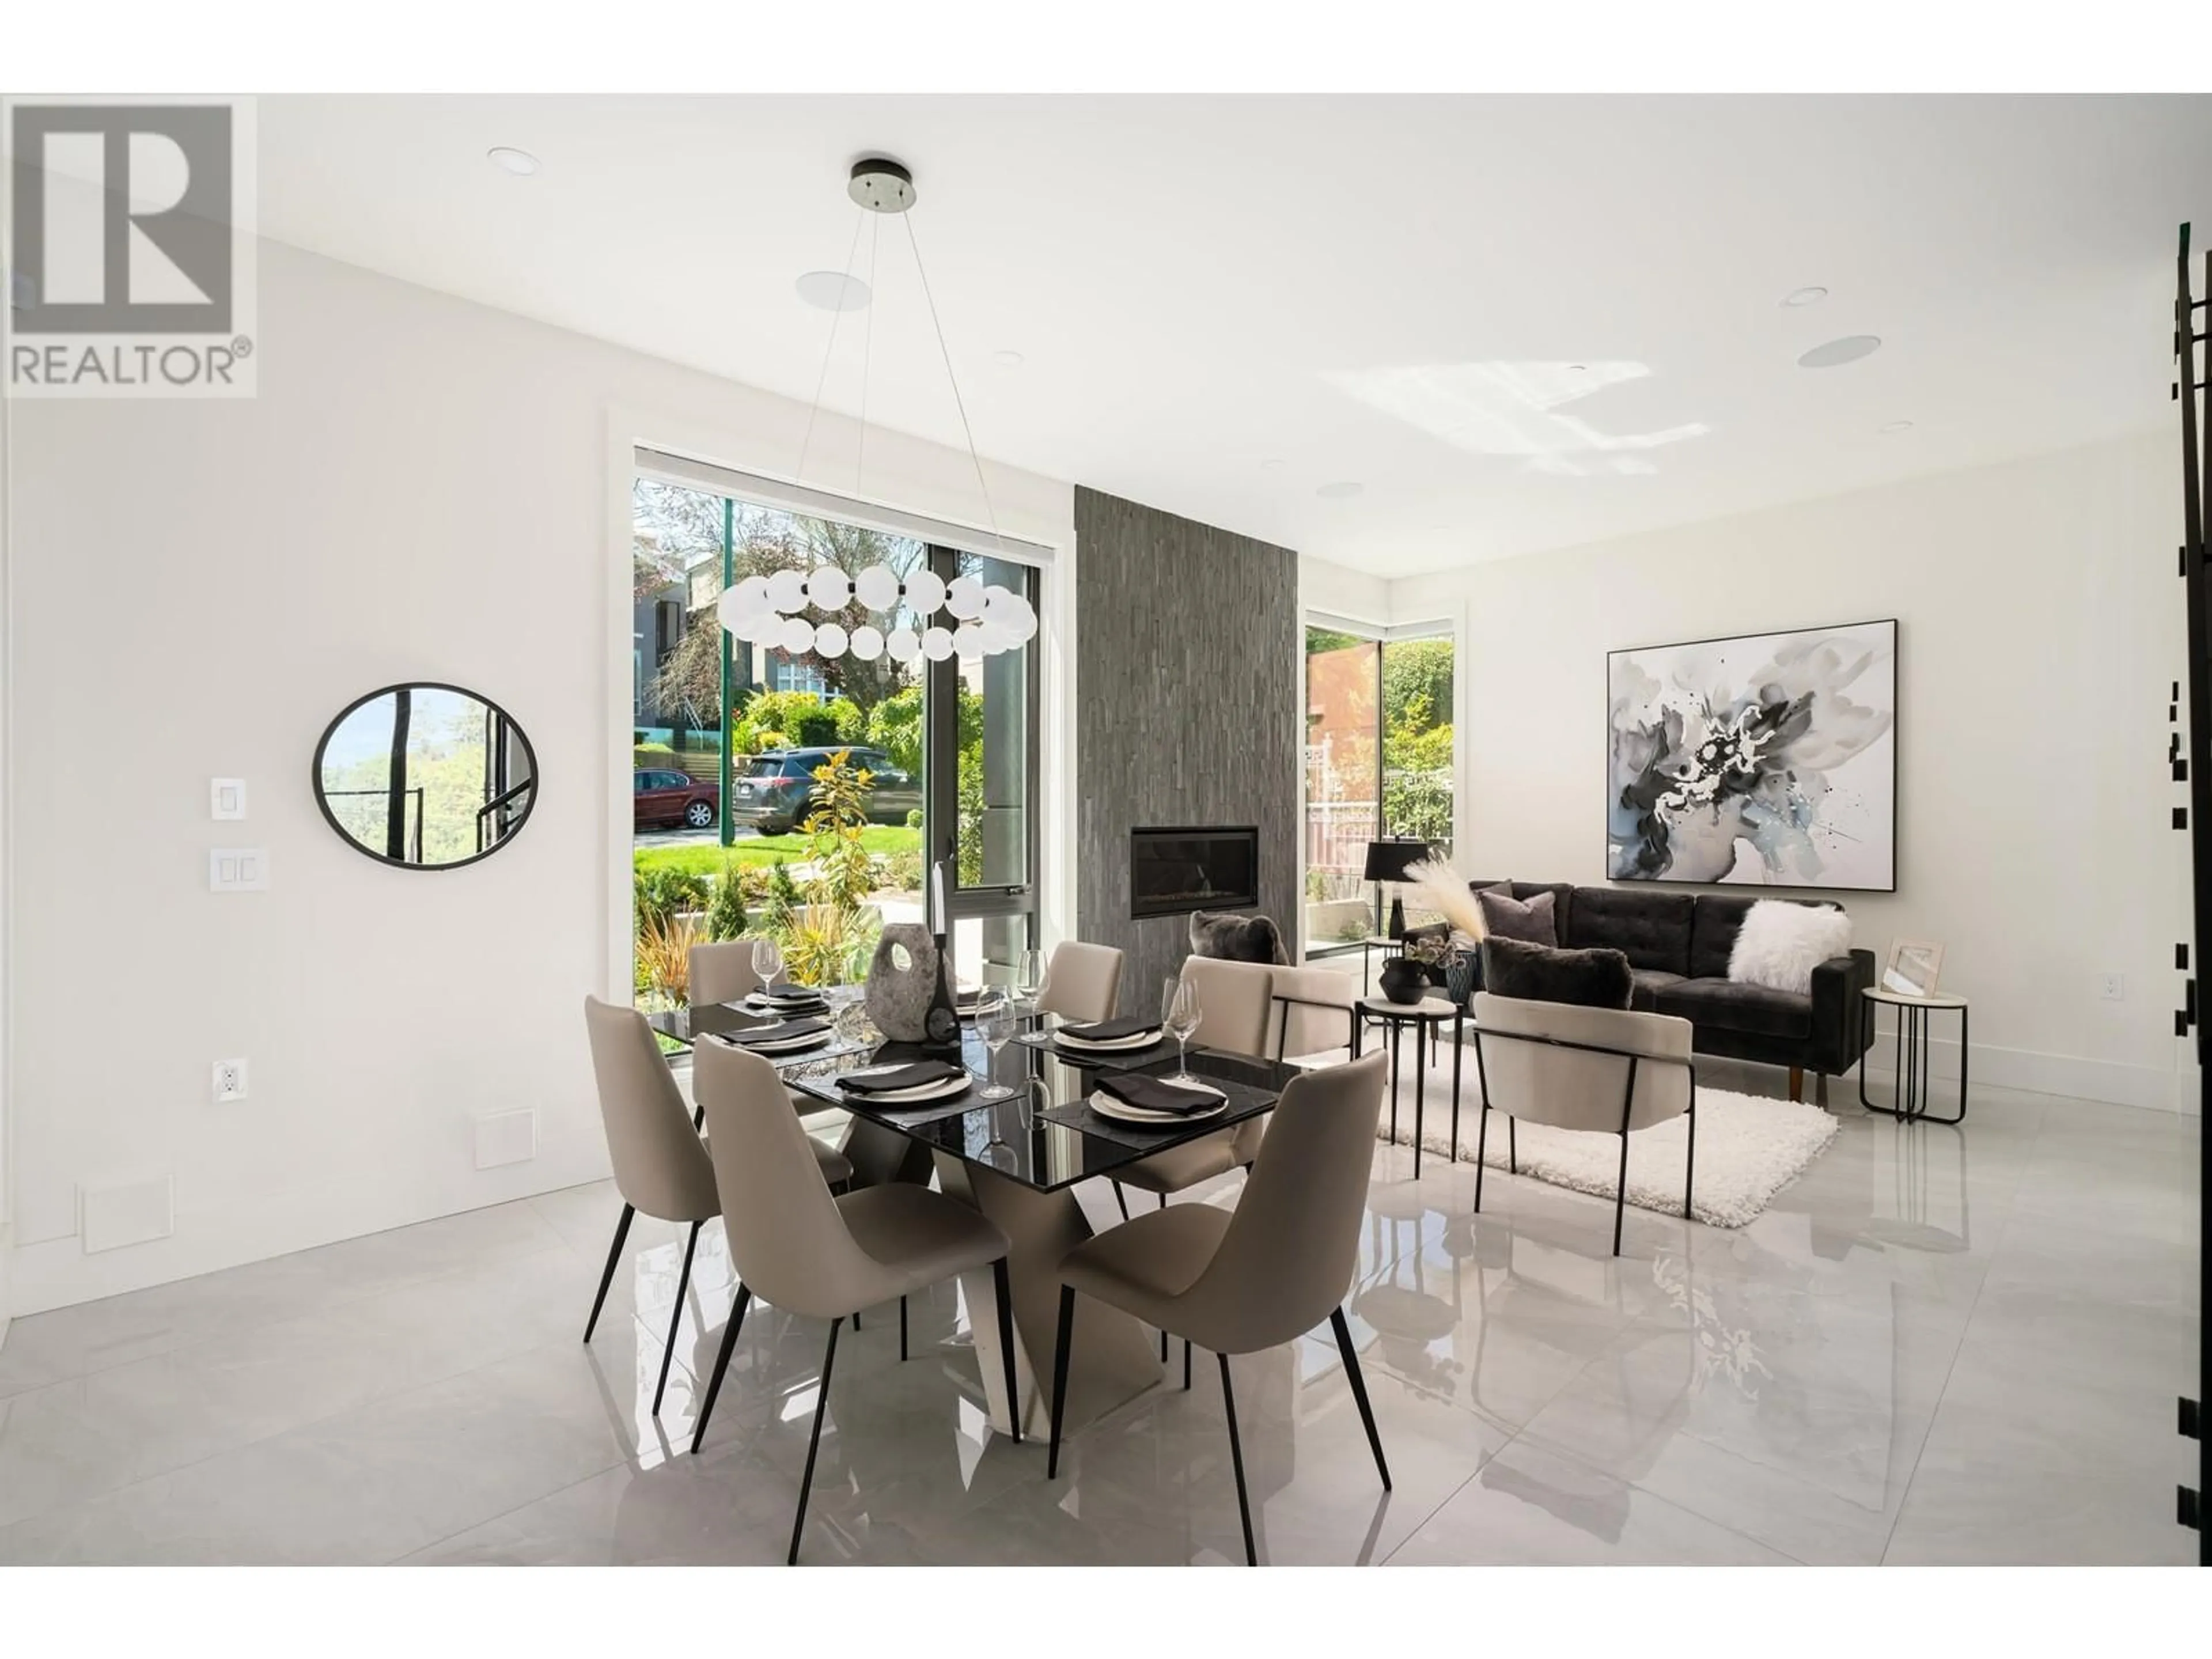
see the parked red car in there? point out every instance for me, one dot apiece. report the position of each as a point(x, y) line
point(674, 799)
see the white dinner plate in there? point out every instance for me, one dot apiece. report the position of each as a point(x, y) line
point(915, 1096)
point(1141, 1040)
point(1106, 1106)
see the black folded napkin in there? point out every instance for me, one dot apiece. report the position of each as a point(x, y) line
point(789, 1032)
point(1152, 1094)
point(791, 994)
point(1106, 1031)
point(907, 1077)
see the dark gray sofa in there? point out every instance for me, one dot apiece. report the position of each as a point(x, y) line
point(1678, 945)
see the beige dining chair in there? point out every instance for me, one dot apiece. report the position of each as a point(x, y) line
point(1598, 1069)
point(799, 1249)
point(1237, 1281)
point(1082, 981)
point(722, 972)
point(659, 1165)
point(1233, 1000)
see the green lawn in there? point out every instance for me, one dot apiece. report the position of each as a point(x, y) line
point(766, 850)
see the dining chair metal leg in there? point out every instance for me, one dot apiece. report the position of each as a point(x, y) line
point(1236, 1462)
point(1002, 1292)
point(1513, 1146)
point(676, 1319)
point(902, 1330)
point(614, 1254)
point(1186, 1364)
point(1481, 1148)
point(1359, 1392)
point(813, 1442)
point(1120, 1199)
point(1060, 1376)
point(721, 1363)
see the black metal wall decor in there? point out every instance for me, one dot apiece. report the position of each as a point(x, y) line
point(425, 775)
point(2195, 770)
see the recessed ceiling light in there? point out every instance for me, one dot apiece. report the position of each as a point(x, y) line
point(1008, 359)
point(1805, 296)
point(832, 290)
point(1344, 489)
point(1892, 428)
point(1849, 350)
point(519, 162)
point(1577, 369)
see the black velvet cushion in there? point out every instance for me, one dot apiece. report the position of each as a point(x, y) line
point(1733, 1007)
point(1719, 919)
point(1652, 930)
point(1538, 973)
point(1649, 983)
point(1563, 897)
point(1529, 920)
point(1236, 939)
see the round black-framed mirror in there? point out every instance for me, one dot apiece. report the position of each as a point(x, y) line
point(425, 775)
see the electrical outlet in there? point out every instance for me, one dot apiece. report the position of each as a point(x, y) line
point(2112, 988)
point(229, 1081)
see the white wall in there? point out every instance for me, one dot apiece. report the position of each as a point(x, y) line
point(2040, 628)
point(425, 488)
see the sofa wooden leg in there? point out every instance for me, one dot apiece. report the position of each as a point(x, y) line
point(1796, 1083)
point(1819, 1088)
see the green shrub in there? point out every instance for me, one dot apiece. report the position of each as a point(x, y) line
point(660, 894)
point(726, 911)
point(815, 728)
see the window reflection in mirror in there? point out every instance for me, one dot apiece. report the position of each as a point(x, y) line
point(426, 776)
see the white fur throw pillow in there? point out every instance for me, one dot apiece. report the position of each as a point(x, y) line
point(1781, 943)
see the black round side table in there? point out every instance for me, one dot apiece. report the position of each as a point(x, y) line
point(1425, 1017)
point(1912, 1093)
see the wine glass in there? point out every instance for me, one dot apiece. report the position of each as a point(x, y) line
point(768, 961)
point(1180, 1014)
point(1029, 976)
point(994, 1024)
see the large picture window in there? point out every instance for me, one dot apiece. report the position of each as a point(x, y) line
point(731, 737)
point(1378, 762)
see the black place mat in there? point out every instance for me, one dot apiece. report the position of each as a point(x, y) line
point(1080, 1115)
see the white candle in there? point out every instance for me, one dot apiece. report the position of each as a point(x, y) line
point(937, 896)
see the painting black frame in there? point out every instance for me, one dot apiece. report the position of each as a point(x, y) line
point(1896, 636)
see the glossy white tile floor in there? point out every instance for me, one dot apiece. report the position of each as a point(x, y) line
point(1941, 1345)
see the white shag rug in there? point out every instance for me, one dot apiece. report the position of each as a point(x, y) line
point(1749, 1148)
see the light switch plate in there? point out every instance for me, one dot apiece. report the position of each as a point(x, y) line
point(226, 798)
point(238, 870)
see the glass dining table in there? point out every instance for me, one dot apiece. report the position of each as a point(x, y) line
point(1018, 1160)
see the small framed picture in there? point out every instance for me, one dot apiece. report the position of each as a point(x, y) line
point(1913, 966)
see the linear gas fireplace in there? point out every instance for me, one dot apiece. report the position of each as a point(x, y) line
point(1173, 871)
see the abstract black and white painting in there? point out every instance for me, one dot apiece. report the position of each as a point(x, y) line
point(1766, 758)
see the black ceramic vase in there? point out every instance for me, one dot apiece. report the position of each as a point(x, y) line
point(1403, 980)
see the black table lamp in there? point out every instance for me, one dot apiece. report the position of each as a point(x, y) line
point(1391, 860)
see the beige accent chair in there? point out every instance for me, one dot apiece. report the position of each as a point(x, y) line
point(821, 1257)
point(660, 1166)
point(1082, 982)
point(1312, 1011)
point(1234, 999)
point(1597, 1069)
point(1237, 1281)
point(723, 972)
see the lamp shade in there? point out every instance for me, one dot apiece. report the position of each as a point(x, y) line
point(1389, 861)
